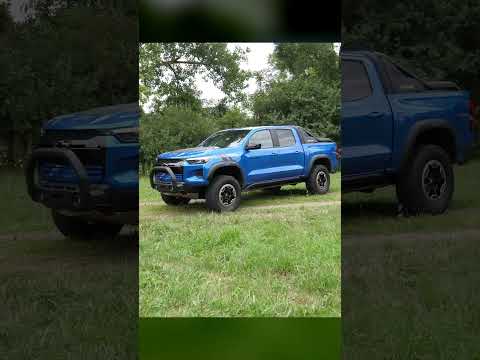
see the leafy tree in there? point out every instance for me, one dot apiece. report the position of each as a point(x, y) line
point(63, 59)
point(437, 39)
point(168, 72)
point(303, 88)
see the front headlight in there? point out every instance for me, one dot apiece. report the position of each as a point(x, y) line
point(200, 160)
point(126, 135)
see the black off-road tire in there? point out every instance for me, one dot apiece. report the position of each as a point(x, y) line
point(80, 229)
point(223, 194)
point(175, 200)
point(416, 191)
point(318, 181)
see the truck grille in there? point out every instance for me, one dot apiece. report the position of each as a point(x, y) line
point(164, 178)
point(63, 173)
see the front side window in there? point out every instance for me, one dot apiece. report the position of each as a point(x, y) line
point(224, 139)
point(262, 137)
point(285, 138)
point(355, 82)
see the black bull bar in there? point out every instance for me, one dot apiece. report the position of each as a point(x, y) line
point(58, 154)
point(175, 186)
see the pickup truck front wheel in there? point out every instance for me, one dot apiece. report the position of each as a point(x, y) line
point(427, 185)
point(223, 194)
point(174, 200)
point(318, 181)
point(77, 228)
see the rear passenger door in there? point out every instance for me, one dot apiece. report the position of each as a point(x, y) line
point(288, 156)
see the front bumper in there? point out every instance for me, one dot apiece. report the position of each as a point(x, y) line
point(82, 195)
point(190, 185)
point(62, 195)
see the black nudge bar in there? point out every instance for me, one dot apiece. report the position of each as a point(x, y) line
point(58, 154)
point(162, 169)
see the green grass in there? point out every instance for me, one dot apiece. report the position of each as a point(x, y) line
point(62, 299)
point(411, 297)
point(283, 260)
point(19, 212)
point(376, 213)
point(408, 284)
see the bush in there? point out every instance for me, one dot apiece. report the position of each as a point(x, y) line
point(174, 128)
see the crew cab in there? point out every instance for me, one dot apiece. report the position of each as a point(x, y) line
point(400, 130)
point(85, 169)
point(235, 160)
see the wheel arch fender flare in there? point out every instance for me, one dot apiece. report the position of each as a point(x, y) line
point(226, 164)
point(421, 128)
point(319, 157)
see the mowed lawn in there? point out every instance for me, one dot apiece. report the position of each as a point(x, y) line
point(275, 256)
point(62, 299)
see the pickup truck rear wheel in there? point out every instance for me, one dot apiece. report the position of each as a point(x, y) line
point(80, 229)
point(427, 185)
point(223, 194)
point(318, 181)
point(174, 200)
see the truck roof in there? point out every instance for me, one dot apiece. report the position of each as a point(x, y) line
point(264, 127)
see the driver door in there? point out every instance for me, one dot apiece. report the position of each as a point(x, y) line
point(259, 164)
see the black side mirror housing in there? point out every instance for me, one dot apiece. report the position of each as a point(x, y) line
point(253, 147)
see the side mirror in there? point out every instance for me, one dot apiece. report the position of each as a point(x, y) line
point(254, 146)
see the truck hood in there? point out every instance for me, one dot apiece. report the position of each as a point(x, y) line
point(111, 117)
point(195, 152)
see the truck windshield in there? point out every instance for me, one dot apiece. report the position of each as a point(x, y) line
point(223, 139)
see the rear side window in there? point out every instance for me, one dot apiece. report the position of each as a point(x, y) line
point(402, 81)
point(285, 138)
point(355, 82)
point(262, 137)
point(307, 138)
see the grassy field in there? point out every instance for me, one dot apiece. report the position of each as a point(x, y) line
point(409, 284)
point(274, 256)
point(63, 299)
point(19, 212)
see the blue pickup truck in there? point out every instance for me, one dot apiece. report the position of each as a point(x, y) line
point(235, 160)
point(400, 130)
point(85, 168)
